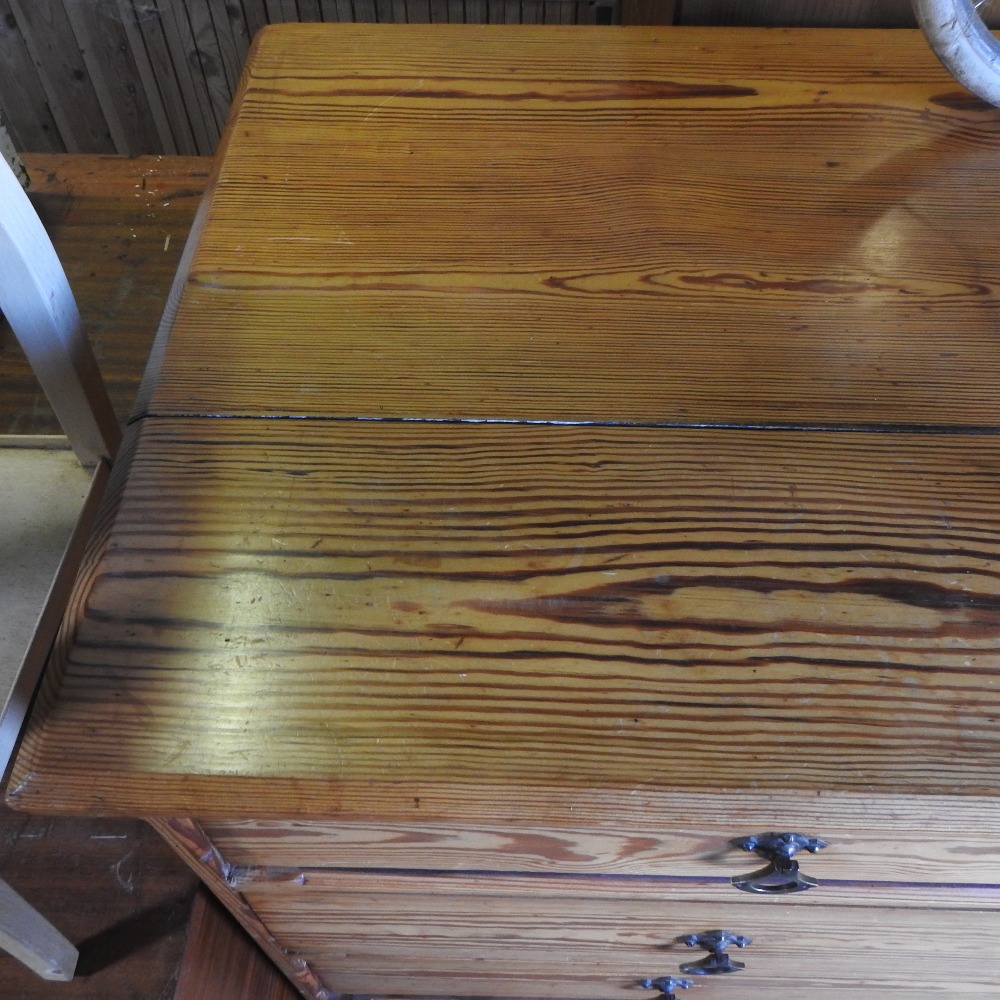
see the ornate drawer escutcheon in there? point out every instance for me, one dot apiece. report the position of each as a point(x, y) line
point(781, 875)
point(718, 961)
point(666, 985)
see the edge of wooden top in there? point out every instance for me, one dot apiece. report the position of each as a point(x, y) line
point(43, 780)
point(907, 44)
point(223, 798)
point(154, 365)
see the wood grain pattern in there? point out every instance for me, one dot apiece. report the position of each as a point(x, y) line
point(183, 93)
point(541, 674)
point(275, 887)
point(221, 963)
point(553, 937)
point(171, 111)
point(233, 39)
point(111, 66)
point(667, 836)
point(208, 58)
point(605, 610)
point(159, 88)
point(188, 839)
point(573, 190)
point(203, 93)
point(24, 108)
point(63, 75)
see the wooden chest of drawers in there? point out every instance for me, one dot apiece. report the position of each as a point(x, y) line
point(566, 453)
point(497, 773)
point(425, 909)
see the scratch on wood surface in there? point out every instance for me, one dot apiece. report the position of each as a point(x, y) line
point(399, 93)
point(126, 883)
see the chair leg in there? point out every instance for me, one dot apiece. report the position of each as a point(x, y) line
point(31, 939)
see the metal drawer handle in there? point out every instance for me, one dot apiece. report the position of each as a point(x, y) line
point(666, 985)
point(718, 961)
point(782, 873)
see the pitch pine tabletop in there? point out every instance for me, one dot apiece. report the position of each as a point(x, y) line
point(547, 420)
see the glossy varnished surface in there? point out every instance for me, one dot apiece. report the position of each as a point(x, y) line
point(566, 657)
point(742, 227)
point(607, 609)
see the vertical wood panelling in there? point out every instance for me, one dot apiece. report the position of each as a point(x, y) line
point(22, 99)
point(101, 38)
point(419, 11)
point(310, 10)
point(844, 13)
point(552, 12)
point(344, 10)
point(279, 11)
point(231, 37)
point(177, 85)
point(189, 137)
point(648, 11)
point(173, 130)
point(805, 13)
point(254, 16)
point(204, 53)
point(177, 32)
point(59, 64)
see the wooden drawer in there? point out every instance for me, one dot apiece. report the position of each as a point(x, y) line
point(912, 839)
point(593, 937)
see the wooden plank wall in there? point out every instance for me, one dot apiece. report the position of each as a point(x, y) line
point(157, 76)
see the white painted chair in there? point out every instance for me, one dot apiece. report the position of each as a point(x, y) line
point(49, 492)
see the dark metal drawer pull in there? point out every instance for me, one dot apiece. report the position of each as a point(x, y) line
point(717, 962)
point(782, 873)
point(666, 985)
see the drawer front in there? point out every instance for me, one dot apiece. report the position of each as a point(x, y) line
point(440, 935)
point(913, 840)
